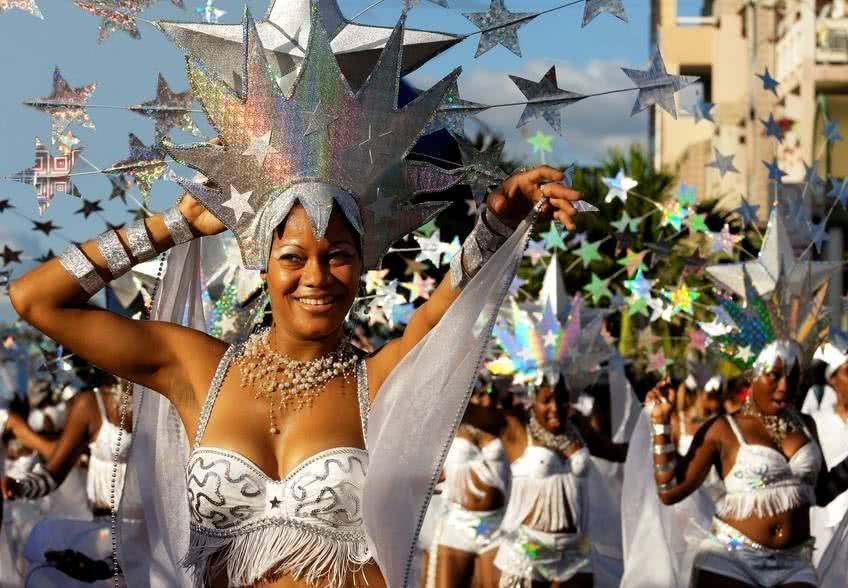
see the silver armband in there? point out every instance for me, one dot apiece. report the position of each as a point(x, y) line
point(141, 247)
point(177, 226)
point(37, 483)
point(78, 265)
point(664, 449)
point(114, 253)
point(660, 429)
point(664, 468)
point(666, 486)
point(488, 234)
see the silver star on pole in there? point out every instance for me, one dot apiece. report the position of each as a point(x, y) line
point(284, 34)
point(499, 26)
point(544, 99)
point(723, 163)
point(593, 8)
point(775, 264)
point(657, 86)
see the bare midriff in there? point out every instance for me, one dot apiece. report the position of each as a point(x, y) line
point(780, 531)
point(492, 498)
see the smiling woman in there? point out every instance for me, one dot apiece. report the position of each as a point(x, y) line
point(278, 474)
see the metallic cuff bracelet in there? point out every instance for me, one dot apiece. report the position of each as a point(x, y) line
point(177, 225)
point(78, 265)
point(661, 428)
point(666, 486)
point(478, 247)
point(663, 449)
point(114, 253)
point(141, 247)
point(664, 468)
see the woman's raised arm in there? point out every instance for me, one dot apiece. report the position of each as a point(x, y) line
point(53, 298)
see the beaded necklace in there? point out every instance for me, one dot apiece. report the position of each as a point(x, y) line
point(290, 384)
point(563, 443)
point(779, 426)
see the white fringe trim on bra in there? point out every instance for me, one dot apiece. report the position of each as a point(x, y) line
point(765, 502)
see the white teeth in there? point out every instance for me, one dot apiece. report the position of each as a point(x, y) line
point(315, 301)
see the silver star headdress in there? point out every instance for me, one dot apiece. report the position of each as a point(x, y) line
point(322, 146)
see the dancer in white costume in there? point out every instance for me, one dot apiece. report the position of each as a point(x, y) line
point(561, 526)
point(276, 477)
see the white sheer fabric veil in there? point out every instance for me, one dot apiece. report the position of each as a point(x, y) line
point(150, 554)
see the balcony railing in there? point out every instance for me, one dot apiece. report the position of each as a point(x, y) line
point(827, 37)
point(832, 40)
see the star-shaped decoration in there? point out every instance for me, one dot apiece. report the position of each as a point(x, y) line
point(625, 223)
point(775, 174)
point(48, 175)
point(374, 280)
point(634, 261)
point(744, 354)
point(775, 263)
point(698, 223)
point(657, 362)
point(681, 299)
point(412, 266)
point(702, 110)
point(45, 227)
point(144, 164)
point(839, 190)
point(275, 502)
point(697, 340)
point(773, 129)
point(597, 288)
point(261, 147)
point(5, 205)
point(120, 186)
point(484, 168)
point(549, 339)
point(724, 241)
point(89, 207)
point(593, 8)
point(516, 285)
point(673, 214)
point(554, 238)
point(28, 6)
point(499, 26)
point(640, 286)
point(227, 324)
point(544, 99)
point(769, 83)
point(319, 119)
point(747, 212)
point(535, 251)
point(114, 226)
point(10, 255)
point(588, 252)
point(723, 163)
point(114, 16)
point(65, 105)
point(284, 36)
point(619, 186)
point(431, 248)
point(209, 12)
point(419, 287)
point(239, 203)
point(818, 235)
point(686, 194)
point(657, 86)
point(541, 142)
point(46, 257)
point(169, 110)
point(67, 143)
point(831, 131)
point(451, 114)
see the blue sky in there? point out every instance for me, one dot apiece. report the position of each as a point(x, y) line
point(587, 59)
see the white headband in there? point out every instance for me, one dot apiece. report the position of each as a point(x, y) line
point(832, 356)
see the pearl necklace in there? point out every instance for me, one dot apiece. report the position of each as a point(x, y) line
point(563, 443)
point(290, 384)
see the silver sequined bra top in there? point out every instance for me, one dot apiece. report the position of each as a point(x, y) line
point(245, 524)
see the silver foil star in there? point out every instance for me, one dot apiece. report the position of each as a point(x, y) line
point(544, 99)
point(452, 112)
point(593, 8)
point(169, 110)
point(499, 26)
point(284, 34)
point(657, 86)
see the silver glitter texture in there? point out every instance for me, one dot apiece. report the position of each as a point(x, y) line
point(141, 248)
point(177, 226)
point(544, 99)
point(114, 253)
point(499, 26)
point(78, 265)
point(593, 8)
point(657, 86)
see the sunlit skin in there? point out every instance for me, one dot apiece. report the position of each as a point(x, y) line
point(715, 444)
point(839, 382)
point(179, 362)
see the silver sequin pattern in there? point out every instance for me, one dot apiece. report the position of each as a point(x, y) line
point(78, 265)
point(177, 225)
point(114, 253)
point(141, 248)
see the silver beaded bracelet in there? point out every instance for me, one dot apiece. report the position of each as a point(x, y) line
point(661, 428)
point(177, 226)
point(114, 253)
point(141, 247)
point(663, 449)
point(488, 234)
point(78, 265)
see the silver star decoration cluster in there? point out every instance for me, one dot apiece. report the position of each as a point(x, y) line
point(544, 99)
point(499, 26)
point(657, 86)
point(169, 110)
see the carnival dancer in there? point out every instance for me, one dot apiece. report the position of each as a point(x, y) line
point(768, 454)
point(561, 523)
point(275, 475)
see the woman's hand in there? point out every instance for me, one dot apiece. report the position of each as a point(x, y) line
point(661, 397)
point(201, 220)
point(13, 421)
point(513, 200)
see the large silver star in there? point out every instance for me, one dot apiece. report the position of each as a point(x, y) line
point(284, 34)
point(776, 263)
point(544, 99)
point(499, 26)
point(657, 86)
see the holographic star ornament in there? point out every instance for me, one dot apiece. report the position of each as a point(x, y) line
point(657, 86)
point(284, 35)
point(28, 6)
point(483, 168)
point(499, 26)
point(681, 299)
point(48, 175)
point(452, 112)
point(65, 105)
point(144, 164)
point(554, 238)
point(209, 12)
point(724, 241)
point(541, 143)
point(588, 252)
point(544, 99)
point(115, 15)
point(597, 288)
point(321, 170)
point(593, 8)
point(169, 110)
point(619, 186)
